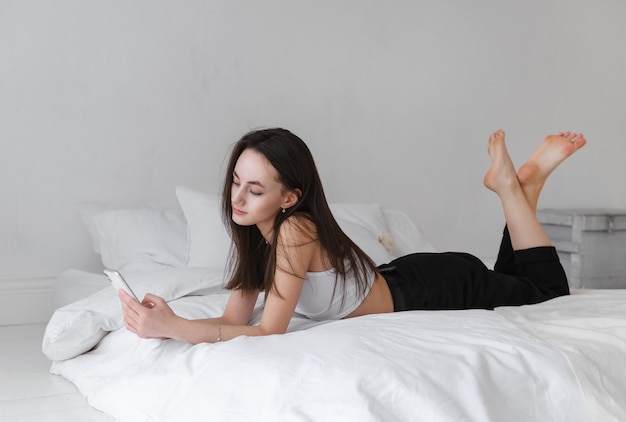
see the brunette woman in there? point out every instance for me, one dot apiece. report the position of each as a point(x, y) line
point(288, 245)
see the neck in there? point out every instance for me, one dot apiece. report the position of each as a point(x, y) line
point(267, 233)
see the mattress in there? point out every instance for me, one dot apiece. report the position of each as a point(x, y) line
point(561, 360)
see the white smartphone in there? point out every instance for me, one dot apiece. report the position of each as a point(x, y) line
point(119, 283)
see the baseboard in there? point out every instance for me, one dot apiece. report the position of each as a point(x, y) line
point(26, 299)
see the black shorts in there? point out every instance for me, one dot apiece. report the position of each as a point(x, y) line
point(454, 280)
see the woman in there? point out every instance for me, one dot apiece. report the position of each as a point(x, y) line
point(288, 244)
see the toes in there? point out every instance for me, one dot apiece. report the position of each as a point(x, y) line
point(579, 141)
point(498, 135)
point(572, 136)
point(495, 140)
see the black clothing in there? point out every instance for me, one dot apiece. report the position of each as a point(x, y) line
point(454, 280)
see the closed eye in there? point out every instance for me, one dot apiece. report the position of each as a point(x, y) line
point(236, 182)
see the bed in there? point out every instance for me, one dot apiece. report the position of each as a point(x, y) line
point(561, 360)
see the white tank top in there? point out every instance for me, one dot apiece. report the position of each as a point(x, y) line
point(318, 302)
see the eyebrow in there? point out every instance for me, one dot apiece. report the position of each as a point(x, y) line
point(252, 182)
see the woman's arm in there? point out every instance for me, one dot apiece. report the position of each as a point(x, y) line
point(155, 319)
point(275, 319)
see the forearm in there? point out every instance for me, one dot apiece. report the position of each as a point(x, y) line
point(213, 330)
point(234, 322)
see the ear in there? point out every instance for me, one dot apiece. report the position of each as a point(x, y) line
point(291, 198)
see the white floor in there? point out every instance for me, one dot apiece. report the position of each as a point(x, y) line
point(28, 392)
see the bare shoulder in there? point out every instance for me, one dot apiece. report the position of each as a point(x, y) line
point(297, 230)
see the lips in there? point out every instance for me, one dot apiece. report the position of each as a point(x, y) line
point(238, 211)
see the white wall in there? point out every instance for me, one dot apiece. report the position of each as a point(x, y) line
point(119, 102)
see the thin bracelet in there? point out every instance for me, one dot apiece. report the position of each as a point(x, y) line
point(219, 334)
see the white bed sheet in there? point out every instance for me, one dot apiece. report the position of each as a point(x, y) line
point(589, 326)
point(560, 361)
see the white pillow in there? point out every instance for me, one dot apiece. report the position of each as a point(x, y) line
point(72, 285)
point(366, 226)
point(142, 239)
point(87, 212)
point(208, 241)
point(407, 237)
point(76, 328)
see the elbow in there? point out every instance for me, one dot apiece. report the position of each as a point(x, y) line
point(271, 330)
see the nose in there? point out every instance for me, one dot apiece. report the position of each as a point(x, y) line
point(236, 196)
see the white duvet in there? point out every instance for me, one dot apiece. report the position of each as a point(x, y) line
point(557, 361)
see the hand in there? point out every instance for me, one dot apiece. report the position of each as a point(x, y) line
point(153, 318)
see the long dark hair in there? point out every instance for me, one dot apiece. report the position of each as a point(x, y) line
point(252, 262)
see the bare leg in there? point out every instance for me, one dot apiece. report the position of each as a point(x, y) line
point(524, 228)
point(532, 175)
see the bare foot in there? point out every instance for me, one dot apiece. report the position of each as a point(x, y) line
point(501, 176)
point(552, 151)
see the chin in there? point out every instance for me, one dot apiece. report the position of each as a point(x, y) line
point(241, 220)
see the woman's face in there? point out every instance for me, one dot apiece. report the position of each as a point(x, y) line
point(256, 194)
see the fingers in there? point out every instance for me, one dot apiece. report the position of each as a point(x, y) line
point(134, 312)
point(129, 303)
point(148, 318)
point(129, 313)
point(151, 300)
